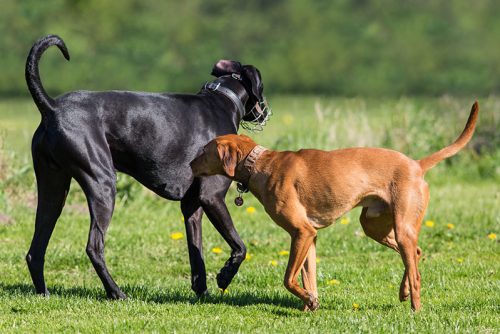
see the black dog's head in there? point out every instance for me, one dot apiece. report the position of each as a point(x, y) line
point(249, 75)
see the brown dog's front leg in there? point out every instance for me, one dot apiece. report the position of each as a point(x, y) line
point(302, 239)
point(308, 273)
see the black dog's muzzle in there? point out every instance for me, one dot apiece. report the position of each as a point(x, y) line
point(260, 113)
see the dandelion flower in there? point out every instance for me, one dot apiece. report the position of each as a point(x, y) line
point(429, 223)
point(460, 259)
point(216, 250)
point(333, 282)
point(248, 256)
point(250, 210)
point(176, 235)
point(344, 221)
point(355, 306)
point(492, 236)
point(450, 226)
point(273, 263)
point(283, 252)
point(318, 260)
point(182, 219)
point(287, 119)
point(223, 291)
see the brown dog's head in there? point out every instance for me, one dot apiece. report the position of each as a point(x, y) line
point(222, 155)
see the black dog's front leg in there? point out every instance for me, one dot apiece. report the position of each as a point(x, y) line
point(212, 192)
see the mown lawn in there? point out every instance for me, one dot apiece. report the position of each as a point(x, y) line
point(358, 279)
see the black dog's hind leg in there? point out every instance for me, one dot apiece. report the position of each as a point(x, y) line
point(53, 186)
point(100, 190)
point(212, 193)
point(192, 212)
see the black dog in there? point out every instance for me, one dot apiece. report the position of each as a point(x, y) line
point(150, 136)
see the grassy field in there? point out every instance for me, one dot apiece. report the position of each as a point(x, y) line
point(358, 279)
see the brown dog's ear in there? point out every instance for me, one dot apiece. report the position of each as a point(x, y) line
point(253, 75)
point(226, 67)
point(229, 155)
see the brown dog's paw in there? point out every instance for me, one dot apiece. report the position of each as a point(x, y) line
point(403, 298)
point(404, 293)
point(312, 304)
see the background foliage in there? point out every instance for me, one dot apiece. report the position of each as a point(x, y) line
point(366, 48)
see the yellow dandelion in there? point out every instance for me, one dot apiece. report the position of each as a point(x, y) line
point(176, 235)
point(429, 223)
point(250, 210)
point(182, 219)
point(450, 226)
point(333, 282)
point(216, 250)
point(460, 259)
point(318, 260)
point(355, 306)
point(287, 119)
point(344, 221)
point(492, 236)
point(223, 291)
point(248, 256)
point(273, 263)
point(283, 252)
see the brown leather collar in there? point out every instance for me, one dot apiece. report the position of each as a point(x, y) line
point(252, 157)
point(249, 164)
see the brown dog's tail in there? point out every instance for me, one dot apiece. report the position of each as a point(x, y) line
point(430, 161)
point(43, 101)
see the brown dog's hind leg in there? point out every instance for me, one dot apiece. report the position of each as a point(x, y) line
point(308, 273)
point(407, 222)
point(381, 229)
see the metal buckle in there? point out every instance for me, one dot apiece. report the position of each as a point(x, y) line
point(210, 86)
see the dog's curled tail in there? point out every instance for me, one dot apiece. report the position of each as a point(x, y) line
point(42, 100)
point(431, 160)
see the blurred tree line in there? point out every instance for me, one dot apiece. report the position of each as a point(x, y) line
point(346, 47)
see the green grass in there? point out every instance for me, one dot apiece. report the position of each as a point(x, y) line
point(460, 267)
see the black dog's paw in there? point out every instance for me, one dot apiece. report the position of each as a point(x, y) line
point(116, 295)
point(224, 278)
point(44, 293)
point(203, 295)
point(200, 292)
point(199, 287)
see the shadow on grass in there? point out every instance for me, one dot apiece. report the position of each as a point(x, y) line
point(155, 295)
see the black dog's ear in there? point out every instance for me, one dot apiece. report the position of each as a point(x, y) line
point(225, 67)
point(253, 74)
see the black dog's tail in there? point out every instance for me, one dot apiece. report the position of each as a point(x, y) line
point(43, 101)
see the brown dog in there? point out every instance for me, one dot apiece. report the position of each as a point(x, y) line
point(307, 190)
